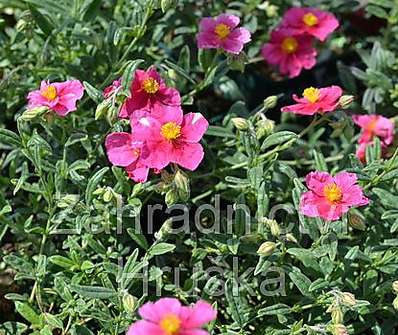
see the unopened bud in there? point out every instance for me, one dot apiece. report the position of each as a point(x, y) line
point(240, 123)
point(108, 195)
point(291, 238)
point(266, 249)
point(395, 303)
point(181, 181)
point(165, 229)
point(30, 114)
point(102, 109)
point(68, 200)
point(337, 315)
point(348, 299)
point(340, 329)
point(273, 226)
point(171, 197)
point(356, 222)
point(129, 303)
point(270, 102)
point(264, 127)
point(395, 287)
point(345, 101)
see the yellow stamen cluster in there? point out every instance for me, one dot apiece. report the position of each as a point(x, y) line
point(170, 131)
point(170, 324)
point(311, 94)
point(50, 92)
point(150, 85)
point(222, 31)
point(333, 193)
point(289, 45)
point(310, 19)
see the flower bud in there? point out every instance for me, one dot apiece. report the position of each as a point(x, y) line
point(270, 102)
point(395, 303)
point(266, 249)
point(356, 222)
point(30, 114)
point(129, 303)
point(395, 286)
point(102, 109)
point(340, 329)
point(181, 181)
point(348, 299)
point(291, 238)
point(108, 195)
point(337, 315)
point(264, 128)
point(273, 226)
point(345, 101)
point(171, 197)
point(240, 123)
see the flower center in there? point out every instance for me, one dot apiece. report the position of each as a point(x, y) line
point(311, 94)
point(289, 45)
point(170, 131)
point(333, 192)
point(372, 125)
point(136, 152)
point(150, 85)
point(170, 324)
point(50, 92)
point(310, 19)
point(222, 31)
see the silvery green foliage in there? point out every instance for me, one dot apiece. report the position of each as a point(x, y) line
point(81, 248)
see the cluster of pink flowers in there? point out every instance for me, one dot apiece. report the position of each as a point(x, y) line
point(60, 97)
point(168, 317)
point(222, 32)
point(330, 197)
point(373, 126)
point(160, 133)
point(291, 43)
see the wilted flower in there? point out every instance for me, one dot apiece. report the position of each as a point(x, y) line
point(348, 299)
point(291, 53)
point(311, 21)
point(340, 329)
point(168, 317)
point(330, 197)
point(221, 32)
point(60, 97)
point(148, 91)
point(316, 100)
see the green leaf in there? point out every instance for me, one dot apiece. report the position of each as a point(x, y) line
point(129, 71)
point(386, 198)
point(301, 281)
point(274, 310)
point(160, 249)
point(220, 132)
point(28, 313)
point(93, 182)
point(9, 137)
point(42, 22)
point(62, 261)
point(93, 93)
point(12, 328)
point(138, 238)
point(93, 292)
point(90, 9)
point(278, 138)
point(306, 257)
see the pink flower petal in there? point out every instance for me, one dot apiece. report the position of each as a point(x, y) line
point(193, 127)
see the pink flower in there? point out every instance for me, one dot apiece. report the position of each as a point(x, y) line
point(148, 91)
point(316, 100)
point(111, 89)
point(124, 151)
point(171, 137)
point(291, 53)
point(311, 21)
point(375, 125)
point(168, 317)
point(59, 97)
point(221, 33)
point(330, 197)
